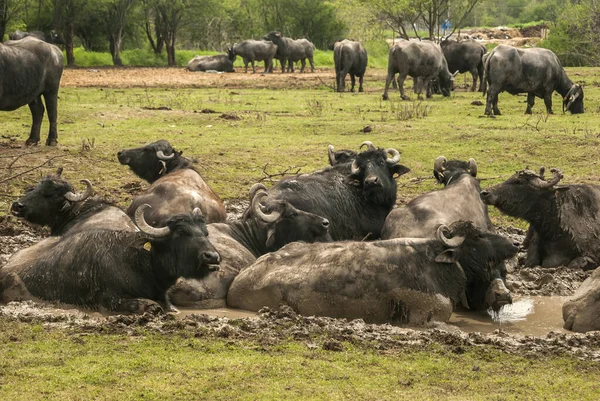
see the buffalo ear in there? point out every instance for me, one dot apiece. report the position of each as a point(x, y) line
point(448, 256)
point(270, 237)
point(399, 169)
point(141, 243)
point(438, 176)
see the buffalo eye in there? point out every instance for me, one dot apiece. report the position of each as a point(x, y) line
point(382, 162)
point(293, 215)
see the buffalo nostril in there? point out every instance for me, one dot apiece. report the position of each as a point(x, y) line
point(484, 193)
point(211, 257)
point(517, 244)
point(325, 223)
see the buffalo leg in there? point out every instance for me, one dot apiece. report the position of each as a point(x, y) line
point(360, 82)
point(303, 61)
point(253, 66)
point(246, 61)
point(401, 78)
point(37, 115)
point(312, 64)
point(135, 305)
point(353, 80)
point(51, 100)
point(530, 102)
point(532, 245)
point(391, 77)
point(474, 74)
point(283, 63)
point(491, 107)
point(548, 103)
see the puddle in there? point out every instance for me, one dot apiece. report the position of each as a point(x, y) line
point(533, 316)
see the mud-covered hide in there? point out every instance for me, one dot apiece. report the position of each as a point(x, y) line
point(581, 312)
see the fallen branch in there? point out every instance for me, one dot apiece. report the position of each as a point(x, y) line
point(326, 84)
point(30, 170)
point(288, 171)
point(415, 181)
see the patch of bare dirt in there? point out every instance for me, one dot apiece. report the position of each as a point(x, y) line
point(15, 235)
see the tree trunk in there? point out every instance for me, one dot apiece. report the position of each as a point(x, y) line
point(69, 44)
point(171, 55)
point(116, 41)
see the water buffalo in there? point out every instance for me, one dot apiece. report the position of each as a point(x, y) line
point(53, 203)
point(52, 38)
point(407, 280)
point(177, 188)
point(291, 50)
point(30, 69)
point(340, 156)
point(418, 59)
point(458, 200)
point(581, 312)
point(255, 50)
point(465, 56)
point(351, 58)
point(355, 197)
point(239, 243)
point(113, 270)
point(220, 62)
point(536, 71)
point(564, 219)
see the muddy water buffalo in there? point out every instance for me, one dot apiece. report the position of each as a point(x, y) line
point(423, 60)
point(465, 56)
point(407, 280)
point(54, 203)
point(219, 62)
point(113, 270)
point(340, 156)
point(177, 188)
point(459, 200)
point(291, 50)
point(349, 57)
point(536, 71)
point(355, 197)
point(255, 50)
point(30, 69)
point(564, 219)
point(581, 312)
point(239, 243)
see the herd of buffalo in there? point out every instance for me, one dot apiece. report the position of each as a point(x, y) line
point(327, 243)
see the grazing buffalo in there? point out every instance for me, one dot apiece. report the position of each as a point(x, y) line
point(220, 62)
point(423, 60)
point(340, 156)
point(465, 56)
point(53, 203)
point(239, 243)
point(459, 200)
point(581, 312)
point(564, 220)
point(291, 50)
point(350, 58)
point(113, 270)
point(536, 71)
point(404, 280)
point(255, 50)
point(177, 188)
point(30, 69)
point(355, 197)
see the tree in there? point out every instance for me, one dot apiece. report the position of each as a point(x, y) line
point(117, 16)
point(151, 25)
point(9, 11)
point(170, 14)
point(68, 15)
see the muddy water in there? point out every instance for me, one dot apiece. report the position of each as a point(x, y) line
point(534, 316)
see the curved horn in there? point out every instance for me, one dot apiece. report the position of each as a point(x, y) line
point(160, 154)
point(573, 98)
point(354, 169)
point(197, 212)
point(254, 189)
point(267, 218)
point(331, 153)
point(570, 97)
point(395, 156)
point(539, 183)
point(368, 144)
point(472, 167)
point(73, 197)
point(439, 164)
point(147, 228)
point(449, 242)
point(542, 171)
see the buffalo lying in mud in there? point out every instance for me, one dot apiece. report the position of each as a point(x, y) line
point(30, 69)
point(290, 51)
point(53, 203)
point(340, 156)
point(564, 220)
point(581, 312)
point(404, 280)
point(239, 243)
point(219, 62)
point(177, 188)
point(113, 270)
point(349, 57)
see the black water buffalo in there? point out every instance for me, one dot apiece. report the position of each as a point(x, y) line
point(404, 280)
point(340, 156)
point(465, 56)
point(291, 51)
point(219, 62)
point(423, 60)
point(355, 197)
point(536, 71)
point(177, 188)
point(53, 203)
point(30, 69)
point(581, 312)
point(255, 50)
point(274, 224)
point(351, 58)
point(113, 270)
point(564, 219)
point(52, 38)
point(458, 200)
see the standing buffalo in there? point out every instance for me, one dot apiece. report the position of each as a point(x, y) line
point(113, 270)
point(418, 59)
point(536, 71)
point(564, 220)
point(404, 280)
point(53, 38)
point(53, 203)
point(465, 56)
point(291, 50)
point(177, 188)
point(239, 243)
point(255, 50)
point(220, 62)
point(30, 69)
point(350, 58)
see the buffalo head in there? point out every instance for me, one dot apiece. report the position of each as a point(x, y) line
point(573, 100)
point(446, 171)
point(340, 156)
point(150, 162)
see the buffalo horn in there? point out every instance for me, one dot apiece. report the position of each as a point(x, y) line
point(254, 189)
point(439, 164)
point(73, 197)
point(160, 154)
point(472, 167)
point(331, 152)
point(267, 218)
point(449, 242)
point(354, 169)
point(368, 144)
point(395, 156)
point(147, 228)
point(197, 212)
point(539, 183)
point(571, 96)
